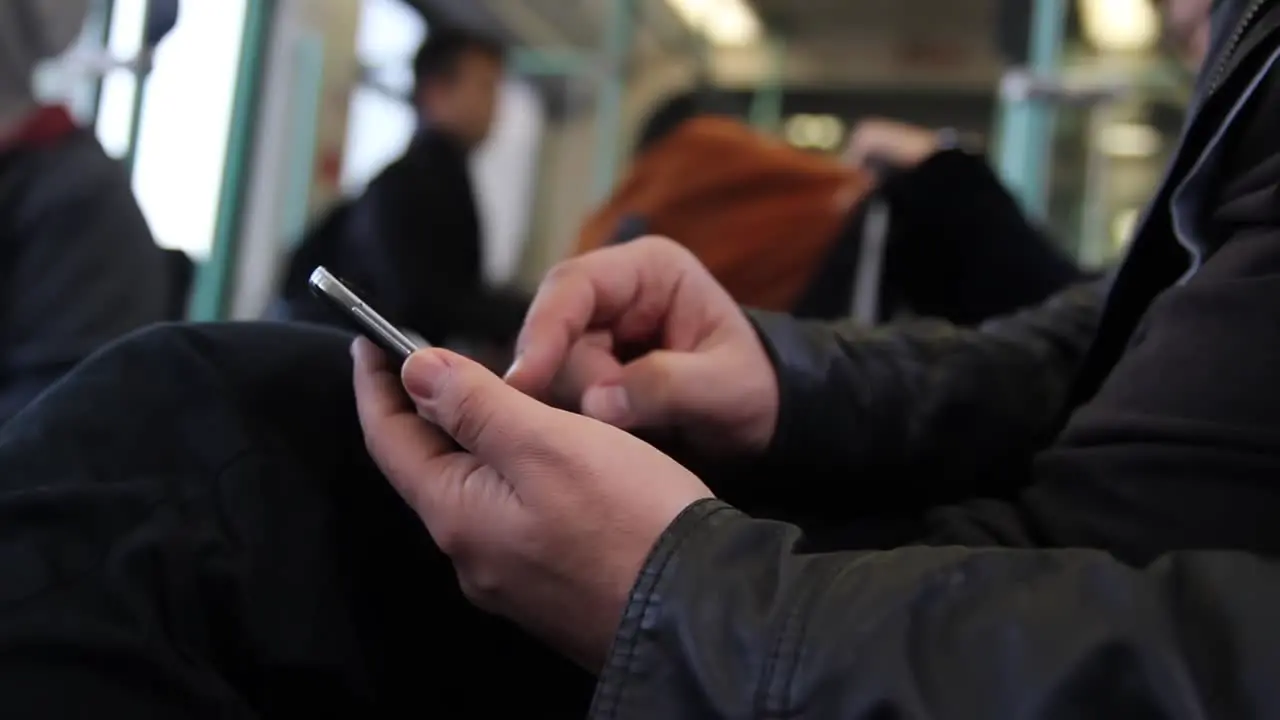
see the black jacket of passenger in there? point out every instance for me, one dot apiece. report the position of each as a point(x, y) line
point(78, 265)
point(958, 247)
point(411, 243)
point(1123, 571)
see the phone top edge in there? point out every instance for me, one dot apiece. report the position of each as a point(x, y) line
point(322, 279)
point(366, 320)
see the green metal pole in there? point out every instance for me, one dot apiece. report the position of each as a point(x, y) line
point(766, 104)
point(704, 63)
point(1025, 131)
point(214, 278)
point(619, 35)
point(140, 74)
point(532, 62)
point(99, 23)
point(307, 108)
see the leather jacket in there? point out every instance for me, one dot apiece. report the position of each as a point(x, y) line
point(739, 617)
point(925, 391)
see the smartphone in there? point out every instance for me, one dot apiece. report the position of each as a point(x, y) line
point(362, 318)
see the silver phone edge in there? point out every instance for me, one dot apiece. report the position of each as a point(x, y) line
point(325, 282)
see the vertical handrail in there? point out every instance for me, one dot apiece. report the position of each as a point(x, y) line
point(767, 102)
point(307, 98)
point(1025, 132)
point(99, 26)
point(141, 72)
point(611, 93)
point(214, 277)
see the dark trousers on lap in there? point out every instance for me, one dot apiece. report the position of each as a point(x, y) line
point(190, 527)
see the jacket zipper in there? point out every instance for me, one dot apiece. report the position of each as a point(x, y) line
point(1236, 37)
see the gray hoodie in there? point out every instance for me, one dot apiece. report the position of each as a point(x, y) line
point(78, 265)
point(32, 31)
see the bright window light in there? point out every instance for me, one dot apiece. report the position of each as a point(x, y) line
point(814, 132)
point(186, 116)
point(115, 105)
point(379, 126)
point(1120, 25)
point(723, 22)
point(1129, 140)
point(1123, 226)
point(378, 129)
point(388, 32)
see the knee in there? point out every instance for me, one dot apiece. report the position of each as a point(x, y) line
point(235, 338)
point(239, 352)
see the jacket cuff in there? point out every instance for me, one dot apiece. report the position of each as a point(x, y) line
point(802, 354)
point(716, 623)
point(630, 662)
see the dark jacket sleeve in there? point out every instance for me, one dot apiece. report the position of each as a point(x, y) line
point(925, 390)
point(424, 220)
point(731, 618)
point(71, 286)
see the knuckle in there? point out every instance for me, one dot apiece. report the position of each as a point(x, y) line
point(660, 398)
point(472, 417)
point(661, 378)
point(662, 255)
point(476, 592)
point(450, 539)
point(660, 245)
point(480, 585)
point(484, 582)
point(561, 272)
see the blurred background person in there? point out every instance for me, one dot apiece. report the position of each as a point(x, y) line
point(956, 244)
point(792, 231)
point(760, 214)
point(412, 241)
point(78, 264)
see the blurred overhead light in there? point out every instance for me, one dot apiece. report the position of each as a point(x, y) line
point(1129, 140)
point(814, 132)
point(723, 22)
point(1120, 25)
point(1122, 228)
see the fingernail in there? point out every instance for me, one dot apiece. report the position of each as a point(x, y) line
point(423, 374)
point(606, 403)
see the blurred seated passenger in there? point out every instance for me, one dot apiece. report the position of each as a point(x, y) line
point(78, 264)
point(956, 243)
point(759, 214)
point(783, 229)
point(412, 242)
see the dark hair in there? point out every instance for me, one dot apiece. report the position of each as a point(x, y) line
point(444, 47)
point(669, 115)
point(703, 100)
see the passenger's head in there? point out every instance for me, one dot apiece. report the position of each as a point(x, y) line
point(457, 75)
point(1186, 25)
point(31, 31)
point(669, 116)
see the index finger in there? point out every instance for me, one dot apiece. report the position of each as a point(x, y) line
point(599, 290)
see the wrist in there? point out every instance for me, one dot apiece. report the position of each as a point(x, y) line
point(764, 396)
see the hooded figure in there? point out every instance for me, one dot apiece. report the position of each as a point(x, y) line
point(31, 31)
point(78, 265)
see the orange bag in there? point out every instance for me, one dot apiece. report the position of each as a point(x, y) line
point(759, 214)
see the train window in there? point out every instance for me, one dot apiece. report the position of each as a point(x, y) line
point(506, 172)
point(185, 118)
point(381, 121)
point(378, 129)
